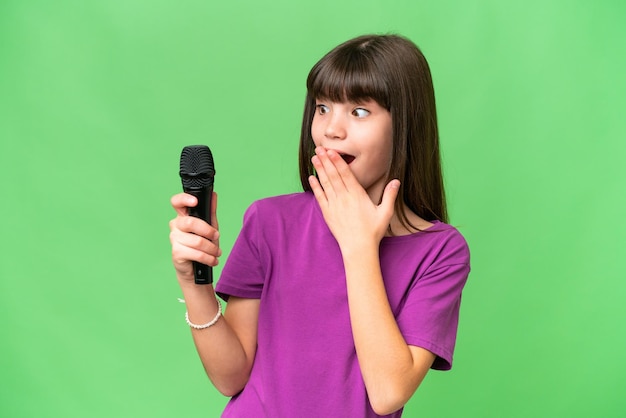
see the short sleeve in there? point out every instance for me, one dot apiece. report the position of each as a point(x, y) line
point(243, 274)
point(430, 315)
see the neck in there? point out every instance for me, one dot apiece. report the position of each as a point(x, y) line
point(414, 224)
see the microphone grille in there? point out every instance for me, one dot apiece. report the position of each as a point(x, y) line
point(196, 166)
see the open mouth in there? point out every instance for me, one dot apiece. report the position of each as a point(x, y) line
point(347, 158)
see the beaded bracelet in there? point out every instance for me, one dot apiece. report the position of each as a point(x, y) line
point(208, 324)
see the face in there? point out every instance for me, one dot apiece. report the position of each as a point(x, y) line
point(362, 134)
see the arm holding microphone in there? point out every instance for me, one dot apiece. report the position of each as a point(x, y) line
point(227, 348)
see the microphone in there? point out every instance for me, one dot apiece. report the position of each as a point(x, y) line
point(197, 175)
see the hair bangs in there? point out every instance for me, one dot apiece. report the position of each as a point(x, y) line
point(350, 77)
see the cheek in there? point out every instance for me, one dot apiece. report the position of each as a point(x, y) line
point(386, 154)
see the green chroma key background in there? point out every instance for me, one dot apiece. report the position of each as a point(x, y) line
point(98, 98)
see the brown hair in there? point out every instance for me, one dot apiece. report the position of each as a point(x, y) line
point(391, 70)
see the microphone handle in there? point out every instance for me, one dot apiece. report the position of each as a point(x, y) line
point(202, 273)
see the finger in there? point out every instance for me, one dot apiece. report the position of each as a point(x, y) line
point(320, 196)
point(343, 170)
point(322, 176)
point(197, 242)
point(182, 254)
point(390, 194)
point(333, 176)
point(181, 201)
point(191, 224)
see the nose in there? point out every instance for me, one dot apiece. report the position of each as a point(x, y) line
point(336, 127)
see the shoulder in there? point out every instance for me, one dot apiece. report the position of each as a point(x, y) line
point(450, 243)
point(285, 202)
point(441, 244)
point(446, 233)
point(295, 208)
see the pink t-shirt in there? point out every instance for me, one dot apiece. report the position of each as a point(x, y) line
point(306, 364)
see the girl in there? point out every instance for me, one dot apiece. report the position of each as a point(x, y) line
point(340, 298)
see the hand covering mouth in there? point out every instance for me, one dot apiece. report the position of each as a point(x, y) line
point(347, 158)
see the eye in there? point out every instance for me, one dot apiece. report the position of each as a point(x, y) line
point(322, 109)
point(359, 112)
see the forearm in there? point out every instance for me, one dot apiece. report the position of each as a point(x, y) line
point(222, 354)
point(389, 368)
